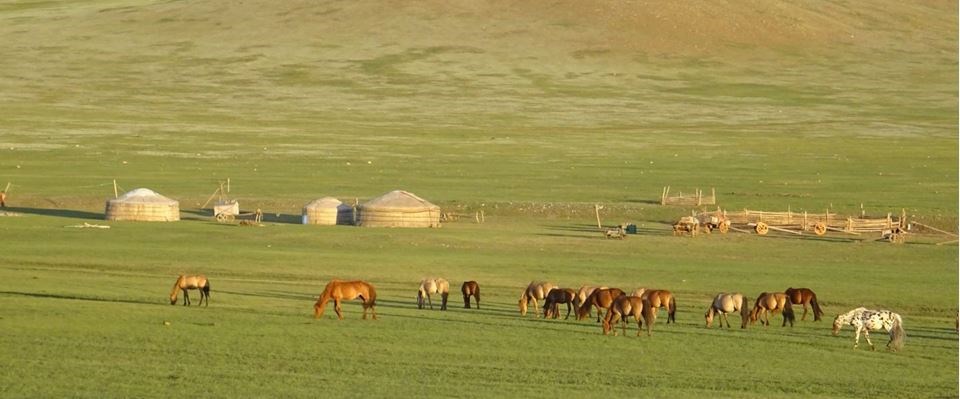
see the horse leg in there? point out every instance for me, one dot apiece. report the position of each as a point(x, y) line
point(443, 299)
point(430, 301)
point(856, 340)
point(476, 298)
point(466, 301)
point(568, 311)
point(866, 335)
point(336, 307)
point(724, 315)
point(804, 317)
point(186, 297)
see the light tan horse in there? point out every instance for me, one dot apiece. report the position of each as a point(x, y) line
point(662, 299)
point(535, 291)
point(771, 302)
point(554, 298)
point(184, 283)
point(470, 288)
point(344, 291)
point(601, 298)
point(430, 286)
point(625, 306)
point(725, 303)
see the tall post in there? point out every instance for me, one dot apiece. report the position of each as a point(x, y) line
point(115, 193)
point(596, 209)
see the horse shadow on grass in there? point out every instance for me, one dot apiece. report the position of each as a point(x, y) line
point(63, 213)
point(80, 298)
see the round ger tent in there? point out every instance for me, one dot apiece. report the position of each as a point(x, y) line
point(143, 205)
point(398, 209)
point(327, 211)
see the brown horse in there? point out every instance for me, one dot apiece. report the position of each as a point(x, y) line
point(725, 303)
point(185, 283)
point(601, 299)
point(344, 291)
point(772, 302)
point(535, 291)
point(430, 286)
point(470, 288)
point(554, 298)
point(582, 294)
point(805, 296)
point(662, 299)
point(625, 306)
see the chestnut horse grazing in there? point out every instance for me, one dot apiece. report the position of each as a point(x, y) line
point(555, 297)
point(625, 306)
point(772, 302)
point(535, 291)
point(429, 286)
point(864, 320)
point(662, 299)
point(470, 288)
point(582, 294)
point(344, 291)
point(185, 283)
point(601, 299)
point(725, 303)
point(805, 296)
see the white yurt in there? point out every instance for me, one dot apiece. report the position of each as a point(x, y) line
point(398, 208)
point(143, 205)
point(327, 211)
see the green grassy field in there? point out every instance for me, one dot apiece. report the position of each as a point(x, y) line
point(530, 112)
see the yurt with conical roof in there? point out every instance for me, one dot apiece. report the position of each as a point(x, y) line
point(398, 209)
point(143, 205)
point(327, 211)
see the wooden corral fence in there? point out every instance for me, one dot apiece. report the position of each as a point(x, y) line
point(891, 228)
point(697, 199)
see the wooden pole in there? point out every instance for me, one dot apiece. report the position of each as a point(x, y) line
point(596, 209)
point(7, 189)
point(228, 184)
point(115, 193)
point(663, 196)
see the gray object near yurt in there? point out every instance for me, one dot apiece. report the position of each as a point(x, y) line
point(143, 205)
point(327, 211)
point(398, 208)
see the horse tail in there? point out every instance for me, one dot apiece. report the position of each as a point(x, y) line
point(788, 315)
point(672, 310)
point(896, 334)
point(372, 294)
point(206, 289)
point(649, 315)
point(744, 312)
point(817, 312)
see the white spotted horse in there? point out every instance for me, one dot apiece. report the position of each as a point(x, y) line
point(864, 320)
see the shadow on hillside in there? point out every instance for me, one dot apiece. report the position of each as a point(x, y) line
point(64, 213)
point(79, 298)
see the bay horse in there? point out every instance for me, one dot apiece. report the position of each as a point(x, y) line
point(187, 282)
point(864, 320)
point(662, 299)
point(805, 296)
point(470, 288)
point(625, 306)
point(772, 302)
point(725, 303)
point(554, 298)
point(601, 298)
point(535, 291)
point(582, 294)
point(344, 291)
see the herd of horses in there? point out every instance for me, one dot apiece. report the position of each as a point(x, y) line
point(612, 305)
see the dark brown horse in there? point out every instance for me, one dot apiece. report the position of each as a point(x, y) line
point(805, 296)
point(344, 291)
point(625, 306)
point(772, 302)
point(554, 298)
point(662, 299)
point(601, 298)
point(185, 283)
point(470, 288)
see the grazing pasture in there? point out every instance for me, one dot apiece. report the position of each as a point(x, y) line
point(531, 113)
